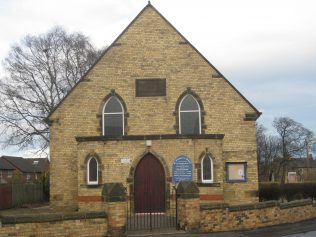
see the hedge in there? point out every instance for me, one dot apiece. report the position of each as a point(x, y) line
point(288, 191)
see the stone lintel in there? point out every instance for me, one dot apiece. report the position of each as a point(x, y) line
point(149, 137)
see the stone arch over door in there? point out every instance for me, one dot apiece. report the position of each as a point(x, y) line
point(163, 167)
point(149, 185)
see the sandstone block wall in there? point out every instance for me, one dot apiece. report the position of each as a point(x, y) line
point(165, 150)
point(149, 48)
point(227, 218)
point(52, 225)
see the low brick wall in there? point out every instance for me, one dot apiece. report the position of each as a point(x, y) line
point(67, 224)
point(223, 217)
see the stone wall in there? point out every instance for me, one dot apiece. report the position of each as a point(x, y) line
point(51, 225)
point(222, 217)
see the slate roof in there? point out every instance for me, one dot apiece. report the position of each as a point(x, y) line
point(38, 164)
point(26, 165)
point(5, 165)
point(295, 163)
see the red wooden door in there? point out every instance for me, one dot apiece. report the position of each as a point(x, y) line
point(149, 185)
point(5, 196)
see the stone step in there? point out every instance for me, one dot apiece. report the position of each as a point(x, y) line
point(154, 232)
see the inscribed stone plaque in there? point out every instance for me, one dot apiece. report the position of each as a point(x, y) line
point(181, 169)
point(150, 87)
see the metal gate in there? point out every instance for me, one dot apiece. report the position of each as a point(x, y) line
point(153, 220)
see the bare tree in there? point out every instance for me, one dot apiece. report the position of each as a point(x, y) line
point(268, 150)
point(293, 140)
point(39, 73)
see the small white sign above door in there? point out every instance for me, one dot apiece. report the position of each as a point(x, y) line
point(125, 160)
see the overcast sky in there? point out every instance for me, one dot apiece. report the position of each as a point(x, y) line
point(266, 49)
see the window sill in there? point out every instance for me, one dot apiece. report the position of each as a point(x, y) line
point(90, 185)
point(236, 181)
point(200, 184)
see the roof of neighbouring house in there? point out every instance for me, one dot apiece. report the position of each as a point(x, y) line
point(5, 165)
point(301, 163)
point(26, 165)
point(39, 164)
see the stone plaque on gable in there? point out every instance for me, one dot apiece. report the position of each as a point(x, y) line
point(181, 169)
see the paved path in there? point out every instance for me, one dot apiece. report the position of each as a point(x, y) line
point(309, 234)
point(300, 229)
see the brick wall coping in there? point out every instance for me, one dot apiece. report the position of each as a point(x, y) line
point(212, 206)
point(296, 203)
point(149, 137)
point(49, 217)
point(258, 205)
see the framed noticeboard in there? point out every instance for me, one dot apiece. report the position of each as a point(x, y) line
point(236, 171)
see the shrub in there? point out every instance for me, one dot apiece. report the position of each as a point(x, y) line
point(288, 191)
point(269, 191)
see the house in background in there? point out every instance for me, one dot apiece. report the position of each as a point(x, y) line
point(21, 170)
point(295, 170)
point(301, 170)
point(6, 171)
point(40, 165)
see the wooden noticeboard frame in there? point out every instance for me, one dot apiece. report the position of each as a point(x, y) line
point(236, 172)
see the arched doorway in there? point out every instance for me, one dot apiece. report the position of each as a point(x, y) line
point(149, 185)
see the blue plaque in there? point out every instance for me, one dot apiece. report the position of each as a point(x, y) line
point(181, 169)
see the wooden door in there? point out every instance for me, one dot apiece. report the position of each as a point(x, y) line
point(149, 185)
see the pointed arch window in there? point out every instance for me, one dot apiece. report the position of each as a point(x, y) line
point(92, 171)
point(113, 118)
point(189, 116)
point(207, 169)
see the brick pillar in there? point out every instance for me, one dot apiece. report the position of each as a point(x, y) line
point(189, 206)
point(115, 198)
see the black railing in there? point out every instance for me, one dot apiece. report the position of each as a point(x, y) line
point(153, 220)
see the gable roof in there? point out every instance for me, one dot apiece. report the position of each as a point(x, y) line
point(295, 163)
point(39, 164)
point(5, 165)
point(25, 165)
point(129, 25)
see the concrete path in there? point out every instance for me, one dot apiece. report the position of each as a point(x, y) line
point(300, 229)
point(309, 234)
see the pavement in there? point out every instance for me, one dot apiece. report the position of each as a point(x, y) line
point(298, 229)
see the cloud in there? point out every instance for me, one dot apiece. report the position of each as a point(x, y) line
point(265, 48)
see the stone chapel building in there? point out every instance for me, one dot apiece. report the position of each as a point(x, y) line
point(150, 102)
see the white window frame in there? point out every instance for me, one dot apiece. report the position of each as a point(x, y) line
point(9, 174)
point(28, 177)
point(292, 173)
point(88, 172)
point(212, 169)
point(189, 111)
point(122, 113)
